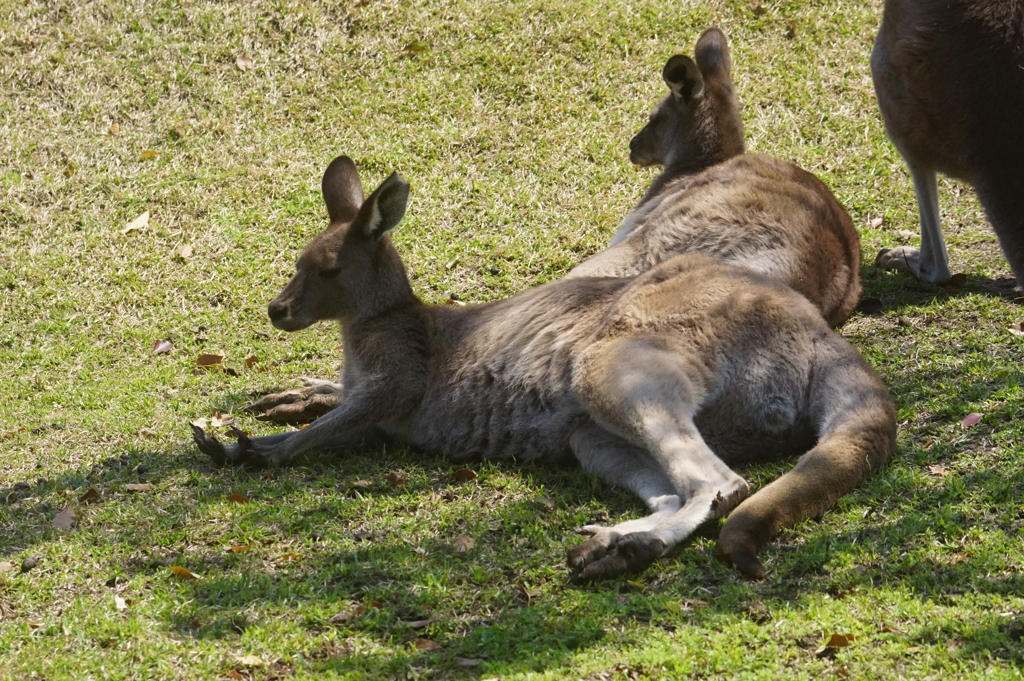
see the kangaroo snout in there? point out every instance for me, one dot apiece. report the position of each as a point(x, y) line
point(278, 312)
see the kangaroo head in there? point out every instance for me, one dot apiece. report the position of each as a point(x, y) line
point(698, 123)
point(352, 267)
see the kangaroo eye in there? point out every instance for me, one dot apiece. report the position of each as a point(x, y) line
point(331, 273)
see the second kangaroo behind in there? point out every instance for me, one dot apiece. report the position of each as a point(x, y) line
point(657, 383)
point(756, 211)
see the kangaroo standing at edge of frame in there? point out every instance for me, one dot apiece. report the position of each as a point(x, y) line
point(656, 383)
point(949, 76)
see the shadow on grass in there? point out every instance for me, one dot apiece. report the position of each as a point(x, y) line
point(388, 583)
point(898, 291)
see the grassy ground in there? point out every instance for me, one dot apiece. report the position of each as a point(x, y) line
point(511, 122)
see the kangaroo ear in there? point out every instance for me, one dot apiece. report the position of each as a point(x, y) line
point(712, 53)
point(683, 78)
point(384, 208)
point(343, 192)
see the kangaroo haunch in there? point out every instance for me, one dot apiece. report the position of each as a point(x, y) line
point(756, 211)
point(655, 383)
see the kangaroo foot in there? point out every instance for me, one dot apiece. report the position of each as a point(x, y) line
point(601, 541)
point(901, 258)
point(722, 506)
point(296, 407)
point(631, 554)
point(258, 453)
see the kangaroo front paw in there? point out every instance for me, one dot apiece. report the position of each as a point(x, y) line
point(230, 455)
point(631, 554)
point(303, 411)
point(296, 407)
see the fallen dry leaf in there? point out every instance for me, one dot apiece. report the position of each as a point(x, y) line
point(636, 585)
point(971, 420)
point(243, 62)
point(466, 662)
point(138, 224)
point(425, 644)
point(249, 660)
point(209, 360)
point(233, 674)
point(463, 544)
point(184, 573)
point(547, 502)
point(395, 479)
point(240, 548)
point(907, 234)
point(287, 557)
point(959, 558)
point(183, 251)
point(148, 432)
point(89, 495)
point(250, 360)
point(875, 223)
point(238, 498)
point(938, 470)
point(840, 640)
point(162, 347)
point(362, 483)
point(148, 154)
point(139, 487)
point(120, 603)
point(69, 170)
point(114, 129)
point(6, 566)
point(464, 475)
point(343, 617)
point(64, 520)
point(957, 280)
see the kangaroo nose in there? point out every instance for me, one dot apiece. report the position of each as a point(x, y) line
point(277, 310)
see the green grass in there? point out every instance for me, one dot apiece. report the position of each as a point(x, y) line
point(512, 128)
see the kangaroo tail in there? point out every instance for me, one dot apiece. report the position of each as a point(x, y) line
point(856, 423)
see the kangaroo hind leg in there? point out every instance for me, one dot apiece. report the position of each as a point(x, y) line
point(618, 463)
point(647, 396)
point(856, 423)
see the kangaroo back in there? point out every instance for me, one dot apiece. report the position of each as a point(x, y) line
point(754, 211)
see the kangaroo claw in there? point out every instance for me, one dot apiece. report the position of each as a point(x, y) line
point(632, 554)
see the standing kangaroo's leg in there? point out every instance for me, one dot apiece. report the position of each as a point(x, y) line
point(648, 396)
point(931, 263)
point(856, 422)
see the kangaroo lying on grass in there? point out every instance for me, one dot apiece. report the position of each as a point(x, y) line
point(760, 212)
point(756, 211)
point(655, 383)
point(950, 83)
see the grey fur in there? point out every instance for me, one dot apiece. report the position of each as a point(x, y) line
point(756, 211)
point(657, 383)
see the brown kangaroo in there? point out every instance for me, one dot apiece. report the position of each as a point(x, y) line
point(756, 211)
point(949, 75)
point(656, 383)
